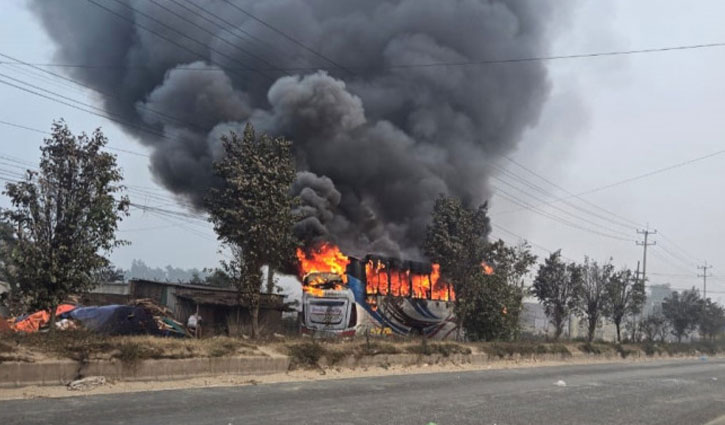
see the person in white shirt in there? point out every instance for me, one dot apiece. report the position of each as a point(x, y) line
point(194, 324)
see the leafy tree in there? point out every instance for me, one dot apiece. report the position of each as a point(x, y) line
point(7, 245)
point(625, 295)
point(109, 273)
point(712, 319)
point(65, 217)
point(252, 209)
point(511, 263)
point(682, 311)
point(456, 240)
point(654, 327)
point(590, 295)
point(556, 286)
point(490, 308)
point(218, 278)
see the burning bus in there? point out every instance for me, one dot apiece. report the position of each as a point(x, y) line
point(346, 296)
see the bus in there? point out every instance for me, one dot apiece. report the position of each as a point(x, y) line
point(378, 296)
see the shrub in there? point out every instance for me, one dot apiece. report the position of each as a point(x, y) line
point(306, 354)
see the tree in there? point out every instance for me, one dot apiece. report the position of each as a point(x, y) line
point(654, 326)
point(456, 240)
point(109, 273)
point(556, 286)
point(490, 308)
point(590, 295)
point(252, 209)
point(511, 263)
point(712, 319)
point(625, 295)
point(8, 242)
point(682, 312)
point(65, 216)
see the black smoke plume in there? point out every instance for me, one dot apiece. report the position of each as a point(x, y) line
point(376, 142)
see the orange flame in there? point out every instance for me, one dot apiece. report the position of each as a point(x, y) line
point(404, 283)
point(487, 269)
point(324, 258)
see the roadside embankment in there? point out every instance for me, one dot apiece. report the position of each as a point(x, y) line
point(56, 360)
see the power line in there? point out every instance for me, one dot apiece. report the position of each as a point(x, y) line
point(211, 33)
point(47, 133)
point(167, 39)
point(631, 179)
point(288, 37)
point(442, 64)
point(554, 217)
point(105, 93)
point(574, 216)
point(628, 223)
point(545, 192)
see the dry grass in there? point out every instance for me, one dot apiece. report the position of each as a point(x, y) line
point(84, 346)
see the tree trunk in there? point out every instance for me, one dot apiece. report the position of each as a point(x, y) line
point(255, 319)
point(619, 335)
point(558, 327)
point(592, 328)
point(51, 323)
point(270, 280)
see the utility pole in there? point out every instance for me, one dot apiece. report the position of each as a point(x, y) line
point(645, 244)
point(704, 277)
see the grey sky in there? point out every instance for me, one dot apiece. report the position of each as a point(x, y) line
point(607, 119)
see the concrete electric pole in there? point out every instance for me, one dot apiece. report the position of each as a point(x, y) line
point(645, 244)
point(704, 277)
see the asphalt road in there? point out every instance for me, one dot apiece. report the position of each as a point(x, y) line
point(664, 392)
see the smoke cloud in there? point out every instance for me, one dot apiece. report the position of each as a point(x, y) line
point(375, 143)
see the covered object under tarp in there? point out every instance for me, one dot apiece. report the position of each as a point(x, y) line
point(116, 320)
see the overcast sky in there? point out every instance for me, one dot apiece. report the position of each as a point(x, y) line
point(608, 119)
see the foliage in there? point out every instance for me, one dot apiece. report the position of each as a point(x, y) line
point(65, 217)
point(252, 209)
point(109, 273)
point(456, 239)
point(511, 263)
point(556, 286)
point(712, 319)
point(625, 295)
point(682, 311)
point(7, 245)
point(490, 308)
point(590, 294)
point(140, 270)
point(655, 327)
point(218, 278)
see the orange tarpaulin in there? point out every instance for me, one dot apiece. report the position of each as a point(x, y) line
point(38, 319)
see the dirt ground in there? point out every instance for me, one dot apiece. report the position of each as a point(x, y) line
point(301, 375)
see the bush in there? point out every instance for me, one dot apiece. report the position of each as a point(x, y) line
point(306, 354)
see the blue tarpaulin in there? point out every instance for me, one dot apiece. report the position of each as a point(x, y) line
point(116, 320)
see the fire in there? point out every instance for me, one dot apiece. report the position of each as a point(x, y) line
point(487, 269)
point(384, 280)
point(324, 258)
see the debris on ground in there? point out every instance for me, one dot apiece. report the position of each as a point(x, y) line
point(560, 383)
point(140, 317)
point(86, 384)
